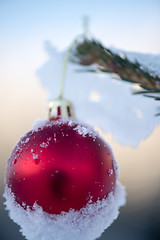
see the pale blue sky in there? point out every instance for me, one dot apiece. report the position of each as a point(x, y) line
point(133, 25)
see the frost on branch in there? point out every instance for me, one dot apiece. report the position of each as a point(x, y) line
point(101, 100)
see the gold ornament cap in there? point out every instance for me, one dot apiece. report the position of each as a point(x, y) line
point(60, 108)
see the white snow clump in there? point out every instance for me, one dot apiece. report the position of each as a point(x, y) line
point(39, 124)
point(101, 100)
point(88, 223)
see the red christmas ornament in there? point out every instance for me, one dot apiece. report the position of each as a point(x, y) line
point(61, 165)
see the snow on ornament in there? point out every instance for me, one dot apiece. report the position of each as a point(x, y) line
point(61, 180)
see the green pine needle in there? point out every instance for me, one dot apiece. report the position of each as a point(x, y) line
point(88, 52)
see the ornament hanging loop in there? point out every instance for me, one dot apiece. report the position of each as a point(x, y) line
point(61, 107)
point(64, 70)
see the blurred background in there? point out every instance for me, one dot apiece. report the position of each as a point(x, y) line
point(128, 25)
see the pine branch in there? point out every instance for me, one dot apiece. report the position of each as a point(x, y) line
point(89, 52)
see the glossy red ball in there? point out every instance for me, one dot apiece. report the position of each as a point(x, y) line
point(60, 166)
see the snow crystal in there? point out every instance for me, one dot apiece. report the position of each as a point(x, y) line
point(70, 123)
point(110, 172)
point(86, 130)
point(39, 124)
point(88, 223)
point(44, 145)
point(25, 141)
point(81, 130)
point(35, 156)
point(49, 139)
point(115, 164)
point(116, 167)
